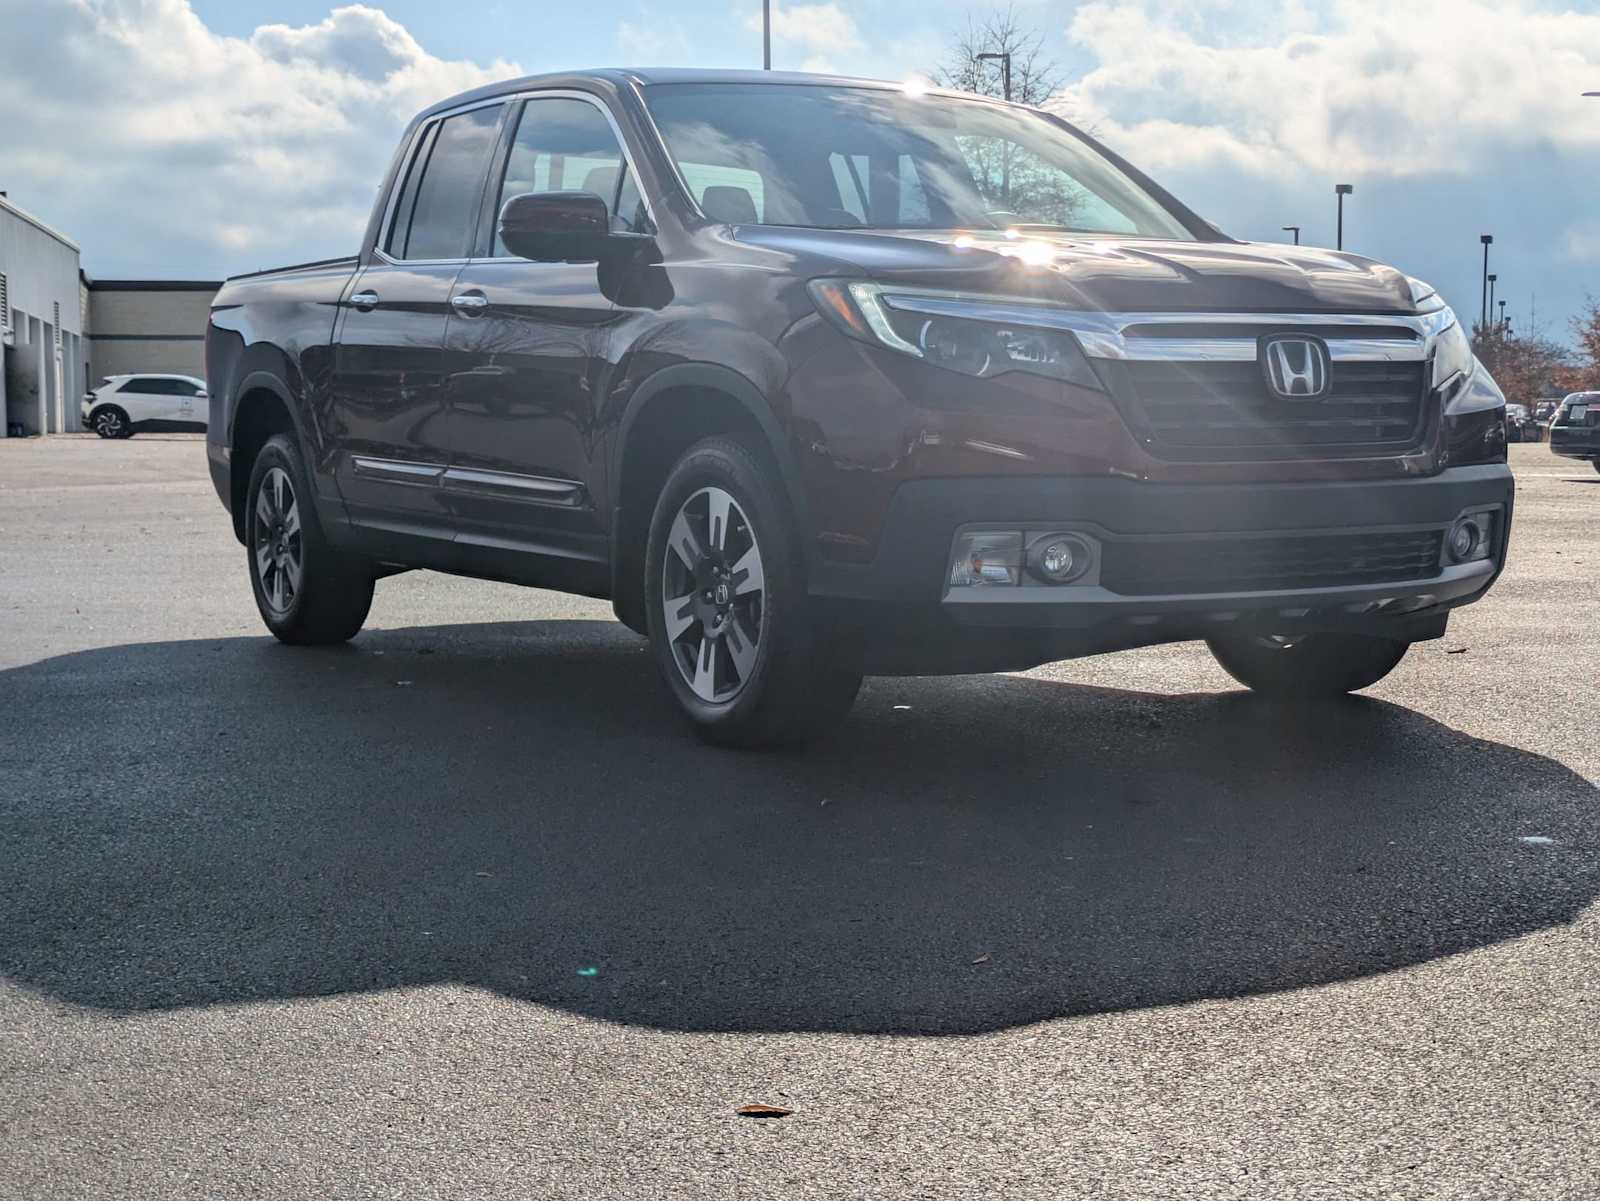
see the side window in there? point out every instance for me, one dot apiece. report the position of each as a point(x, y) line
point(444, 212)
point(395, 243)
point(136, 384)
point(631, 215)
point(566, 145)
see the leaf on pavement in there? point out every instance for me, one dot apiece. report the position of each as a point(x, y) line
point(763, 1111)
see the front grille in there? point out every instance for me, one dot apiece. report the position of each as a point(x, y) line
point(1218, 410)
point(1268, 563)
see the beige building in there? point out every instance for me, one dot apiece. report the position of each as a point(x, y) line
point(154, 325)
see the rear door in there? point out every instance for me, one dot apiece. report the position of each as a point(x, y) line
point(387, 398)
point(526, 346)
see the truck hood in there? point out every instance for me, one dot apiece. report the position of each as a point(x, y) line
point(1107, 273)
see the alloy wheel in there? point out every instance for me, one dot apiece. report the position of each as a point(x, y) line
point(108, 424)
point(277, 544)
point(713, 593)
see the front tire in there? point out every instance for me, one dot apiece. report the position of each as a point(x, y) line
point(1311, 665)
point(111, 422)
point(731, 627)
point(308, 593)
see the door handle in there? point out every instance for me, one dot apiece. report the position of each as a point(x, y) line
point(469, 304)
point(364, 301)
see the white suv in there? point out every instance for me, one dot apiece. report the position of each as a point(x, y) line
point(123, 404)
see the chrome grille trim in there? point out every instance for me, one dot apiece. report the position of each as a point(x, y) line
point(1103, 336)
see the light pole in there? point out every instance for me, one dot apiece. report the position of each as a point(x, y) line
point(1341, 190)
point(1294, 229)
point(1004, 58)
point(1488, 241)
point(766, 35)
point(1492, 278)
point(1505, 322)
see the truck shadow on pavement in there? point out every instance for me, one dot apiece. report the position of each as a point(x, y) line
point(515, 807)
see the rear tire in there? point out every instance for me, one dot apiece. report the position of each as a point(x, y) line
point(1312, 665)
point(309, 594)
point(733, 632)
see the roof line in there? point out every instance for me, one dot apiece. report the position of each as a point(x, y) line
point(11, 207)
point(154, 285)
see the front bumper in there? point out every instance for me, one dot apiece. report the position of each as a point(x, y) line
point(911, 568)
point(1575, 441)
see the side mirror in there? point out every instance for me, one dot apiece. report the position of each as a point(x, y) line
point(556, 227)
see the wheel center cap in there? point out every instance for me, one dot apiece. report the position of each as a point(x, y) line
point(722, 593)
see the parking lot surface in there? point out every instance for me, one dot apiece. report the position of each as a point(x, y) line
point(461, 911)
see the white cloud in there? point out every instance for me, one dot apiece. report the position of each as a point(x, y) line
point(219, 153)
point(819, 28)
point(653, 40)
point(1370, 87)
point(1451, 117)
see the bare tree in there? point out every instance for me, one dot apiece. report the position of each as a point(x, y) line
point(1586, 328)
point(1035, 76)
point(1018, 186)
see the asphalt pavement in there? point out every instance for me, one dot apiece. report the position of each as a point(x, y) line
point(461, 911)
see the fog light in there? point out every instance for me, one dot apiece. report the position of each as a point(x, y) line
point(986, 560)
point(1470, 538)
point(1464, 539)
point(1060, 558)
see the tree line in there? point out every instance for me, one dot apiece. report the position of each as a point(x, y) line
point(1530, 366)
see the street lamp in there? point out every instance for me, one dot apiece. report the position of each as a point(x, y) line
point(1294, 229)
point(1505, 322)
point(1341, 190)
point(1004, 59)
point(766, 35)
point(1492, 278)
point(1487, 240)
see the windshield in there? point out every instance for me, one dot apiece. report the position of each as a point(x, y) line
point(845, 158)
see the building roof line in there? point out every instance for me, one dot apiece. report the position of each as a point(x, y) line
point(11, 207)
point(153, 285)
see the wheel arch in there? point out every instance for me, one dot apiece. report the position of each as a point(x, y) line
point(263, 407)
point(674, 408)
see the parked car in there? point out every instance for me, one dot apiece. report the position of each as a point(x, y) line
point(1545, 410)
point(1575, 428)
point(122, 405)
point(1519, 424)
point(817, 378)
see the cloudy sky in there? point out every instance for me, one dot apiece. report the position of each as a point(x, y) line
point(201, 137)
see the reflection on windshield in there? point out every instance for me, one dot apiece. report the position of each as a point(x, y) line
point(852, 158)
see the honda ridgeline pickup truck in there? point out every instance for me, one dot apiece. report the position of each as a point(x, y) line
point(816, 378)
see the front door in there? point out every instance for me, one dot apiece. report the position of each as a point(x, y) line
point(526, 346)
point(148, 398)
point(386, 408)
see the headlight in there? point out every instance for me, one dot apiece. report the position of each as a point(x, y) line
point(954, 331)
point(1423, 295)
point(1452, 355)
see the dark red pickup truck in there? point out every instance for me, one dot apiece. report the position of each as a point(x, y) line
point(817, 378)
